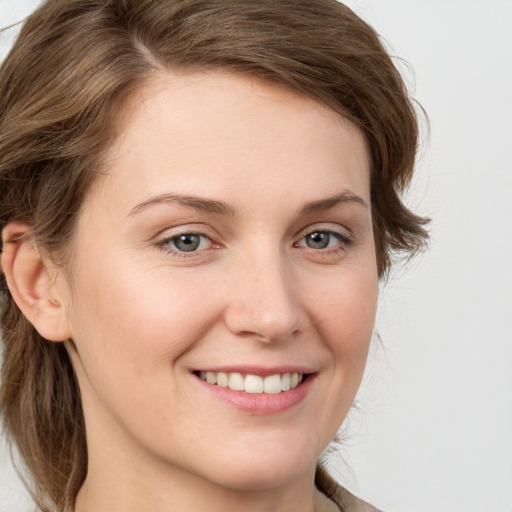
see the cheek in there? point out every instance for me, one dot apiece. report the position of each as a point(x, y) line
point(137, 322)
point(344, 316)
point(345, 312)
point(128, 336)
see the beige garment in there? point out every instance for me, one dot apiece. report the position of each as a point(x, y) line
point(334, 498)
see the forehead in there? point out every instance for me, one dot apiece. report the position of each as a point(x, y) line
point(196, 130)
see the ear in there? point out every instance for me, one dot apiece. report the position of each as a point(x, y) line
point(32, 282)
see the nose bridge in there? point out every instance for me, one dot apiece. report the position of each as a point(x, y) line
point(264, 301)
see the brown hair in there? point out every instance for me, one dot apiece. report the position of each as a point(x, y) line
point(61, 90)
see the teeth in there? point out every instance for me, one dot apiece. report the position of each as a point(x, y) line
point(272, 384)
point(285, 382)
point(211, 378)
point(222, 379)
point(236, 382)
point(253, 384)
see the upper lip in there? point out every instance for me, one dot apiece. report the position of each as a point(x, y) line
point(262, 371)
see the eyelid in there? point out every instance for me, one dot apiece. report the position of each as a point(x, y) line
point(190, 229)
point(186, 229)
point(329, 254)
point(345, 234)
point(334, 234)
point(168, 242)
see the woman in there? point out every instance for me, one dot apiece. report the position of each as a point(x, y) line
point(198, 199)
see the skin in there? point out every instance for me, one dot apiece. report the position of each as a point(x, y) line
point(141, 316)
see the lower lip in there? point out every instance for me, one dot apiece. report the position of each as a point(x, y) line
point(260, 403)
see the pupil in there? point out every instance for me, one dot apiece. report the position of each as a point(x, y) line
point(318, 240)
point(187, 243)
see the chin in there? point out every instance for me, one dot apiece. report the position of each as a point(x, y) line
point(261, 465)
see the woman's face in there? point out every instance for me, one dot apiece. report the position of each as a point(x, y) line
point(231, 239)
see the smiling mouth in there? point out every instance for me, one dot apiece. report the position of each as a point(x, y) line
point(271, 384)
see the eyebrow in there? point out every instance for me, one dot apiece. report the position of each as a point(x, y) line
point(223, 208)
point(330, 202)
point(198, 203)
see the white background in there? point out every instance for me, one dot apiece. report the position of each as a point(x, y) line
point(433, 431)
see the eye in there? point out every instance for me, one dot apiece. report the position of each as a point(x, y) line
point(188, 242)
point(322, 240)
point(325, 242)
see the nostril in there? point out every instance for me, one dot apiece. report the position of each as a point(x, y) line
point(263, 324)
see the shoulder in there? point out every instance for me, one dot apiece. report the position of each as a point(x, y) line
point(345, 500)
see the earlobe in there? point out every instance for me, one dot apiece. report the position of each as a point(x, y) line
point(32, 283)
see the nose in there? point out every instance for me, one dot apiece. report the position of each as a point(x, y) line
point(263, 300)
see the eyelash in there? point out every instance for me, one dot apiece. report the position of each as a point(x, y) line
point(165, 244)
point(344, 241)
